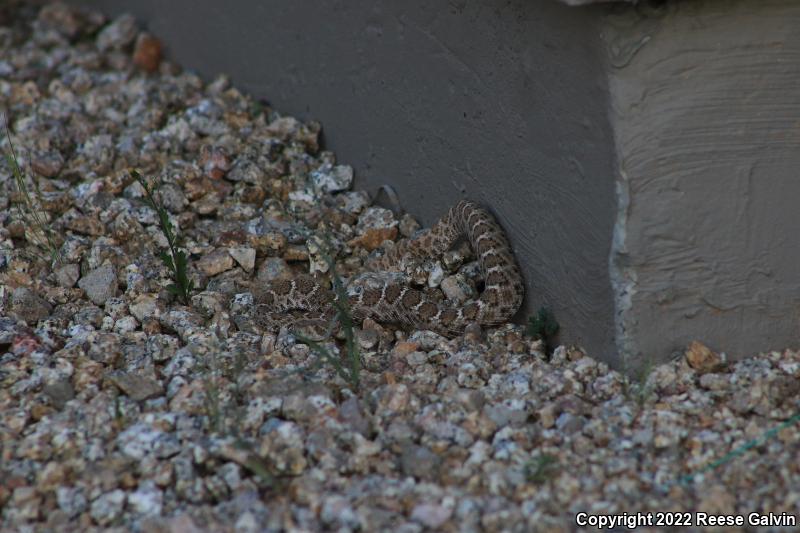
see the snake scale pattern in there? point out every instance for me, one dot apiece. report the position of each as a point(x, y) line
point(384, 294)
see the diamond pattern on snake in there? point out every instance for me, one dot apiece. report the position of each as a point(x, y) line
point(383, 292)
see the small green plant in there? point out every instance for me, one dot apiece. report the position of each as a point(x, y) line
point(350, 370)
point(541, 468)
point(175, 260)
point(30, 209)
point(543, 325)
point(638, 388)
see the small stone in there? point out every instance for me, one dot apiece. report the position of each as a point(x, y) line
point(147, 499)
point(701, 358)
point(420, 462)
point(436, 275)
point(100, 284)
point(125, 324)
point(271, 269)
point(67, 275)
point(147, 52)
point(547, 416)
point(71, 500)
point(375, 225)
point(367, 338)
point(408, 225)
point(330, 179)
point(417, 358)
point(569, 423)
point(295, 252)
point(717, 500)
point(47, 164)
point(430, 515)
point(60, 17)
point(145, 306)
point(353, 202)
point(402, 349)
point(215, 161)
point(108, 507)
point(352, 412)
point(215, 262)
point(119, 34)
point(84, 224)
point(246, 257)
point(29, 306)
point(270, 243)
point(137, 387)
point(457, 289)
point(59, 392)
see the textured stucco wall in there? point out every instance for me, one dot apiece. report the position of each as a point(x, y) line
point(706, 112)
point(501, 101)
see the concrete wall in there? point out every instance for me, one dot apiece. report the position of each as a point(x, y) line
point(706, 112)
point(501, 101)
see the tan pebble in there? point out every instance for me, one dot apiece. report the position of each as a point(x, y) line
point(246, 257)
point(215, 262)
point(701, 358)
point(151, 326)
point(86, 225)
point(547, 415)
point(39, 411)
point(295, 252)
point(374, 237)
point(402, 349)
point(147, 52)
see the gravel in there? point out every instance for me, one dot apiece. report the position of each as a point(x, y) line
point(122, 409)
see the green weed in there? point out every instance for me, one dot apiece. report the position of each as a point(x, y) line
point(541, 468)
point(543, 326)
point(350, 369)
point(30, 210)
point(175, 260)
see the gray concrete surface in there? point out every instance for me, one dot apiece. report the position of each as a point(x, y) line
point(706, 114)
point(503, 102)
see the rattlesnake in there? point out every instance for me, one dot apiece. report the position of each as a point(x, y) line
point(383, 293)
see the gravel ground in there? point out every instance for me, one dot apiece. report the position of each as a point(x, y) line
point(122, 409)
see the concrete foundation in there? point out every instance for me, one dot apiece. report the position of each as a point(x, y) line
point(706, 116)
point(641, 158)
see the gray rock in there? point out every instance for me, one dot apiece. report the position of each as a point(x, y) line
point(137, 387)
point(431, 515)
point(215, 262)
point(331, 179)
point(420, 462)
point(408, 225)
point(245, 256)
point(108, 507)
point(8, 329)
point(100, 284)
point(67, 275)
point(141, 440)
point(271, 269)
point(118, 34)
point(145, 306)
point(457, 289)
point(148, 499)
point(376, 218)
point(59, 392)
point(354, 202)
point(89, 315)
point(29, 306)
point(71, 500)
